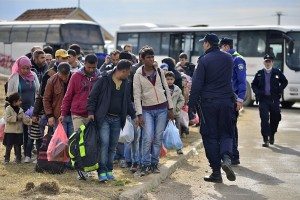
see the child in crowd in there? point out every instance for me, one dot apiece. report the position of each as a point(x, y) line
point(177, 98)
point(14, 118)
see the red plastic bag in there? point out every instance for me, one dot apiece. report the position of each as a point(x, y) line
point(163, 151)
point(2, 126)
point(58, 146)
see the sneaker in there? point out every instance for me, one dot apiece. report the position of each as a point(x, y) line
point(35, 161)
point(134, 167)
point(123, 163)
point(265, 144)
point(5, 162)
point(110, 176)
point(155, 169)
point(102, 177)
point(145, 170)
point(82, 175)
point(272, 139)
point(27, 159)
point(179, 152)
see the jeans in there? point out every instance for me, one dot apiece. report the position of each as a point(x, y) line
point(30, 142)
point(132, 150)
point(109, 133)
point(68, 125)
point(155, 124)
point(119, 155)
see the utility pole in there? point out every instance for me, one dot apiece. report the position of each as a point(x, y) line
point(78, 4)
point(279, 14)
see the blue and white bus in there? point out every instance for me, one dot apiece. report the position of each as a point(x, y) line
point(250, 41)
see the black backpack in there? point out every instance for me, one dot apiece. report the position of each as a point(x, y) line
point(84, 148)
point(43, 165)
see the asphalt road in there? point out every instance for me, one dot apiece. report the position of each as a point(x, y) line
point(264, 173)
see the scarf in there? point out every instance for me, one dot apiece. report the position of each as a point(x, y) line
point(21, 62)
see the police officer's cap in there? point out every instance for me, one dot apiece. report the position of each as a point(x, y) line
point(211, 38)
point(226, 41)
point(268, 57)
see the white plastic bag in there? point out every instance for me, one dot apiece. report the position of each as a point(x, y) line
point(127, 134)
point(171, 137)
point(2, 126)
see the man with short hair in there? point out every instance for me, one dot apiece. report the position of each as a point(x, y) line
point(109, 104)
point(239, 89)
point(153, 104)
point(48, 58)
point(268, 85)
point(184, 65)
point(73, 61)
point(212, 97)
point(54, 93)
point(79, 87)
point(39, 63)
point(111, 61)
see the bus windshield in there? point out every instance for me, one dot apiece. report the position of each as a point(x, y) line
point(85, 33)
point(293, 53)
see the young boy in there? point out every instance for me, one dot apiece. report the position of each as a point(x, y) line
point(177, 98)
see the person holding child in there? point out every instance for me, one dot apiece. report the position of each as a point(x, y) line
point(14, 118)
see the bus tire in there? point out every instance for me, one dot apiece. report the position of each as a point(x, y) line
point(287, 104)
point(248, 100)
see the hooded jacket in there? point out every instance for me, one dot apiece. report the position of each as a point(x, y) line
point(79, 88)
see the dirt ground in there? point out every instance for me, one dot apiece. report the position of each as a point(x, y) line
point(20, 181)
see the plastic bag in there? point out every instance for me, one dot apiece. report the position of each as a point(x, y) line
point(29, 112)
point(58, 146)
point(171, 137)
point(2, 126)
point(127, 134)
point(184, 118)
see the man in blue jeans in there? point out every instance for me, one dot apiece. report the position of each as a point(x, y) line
point(153, 104)
point(109, 103)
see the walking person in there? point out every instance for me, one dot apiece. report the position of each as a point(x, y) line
point(153, 104)
point(109, 104)
point(212, 93)
point(239, 89)
point(14, 118)
point(268, 86)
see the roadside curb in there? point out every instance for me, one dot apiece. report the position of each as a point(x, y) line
point(154, 180)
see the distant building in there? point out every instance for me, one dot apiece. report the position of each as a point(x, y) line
point(60, 13)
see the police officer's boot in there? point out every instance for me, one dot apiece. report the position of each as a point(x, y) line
point(266, 141)
point(272, 139)
point(226, 166)
point(215, 177)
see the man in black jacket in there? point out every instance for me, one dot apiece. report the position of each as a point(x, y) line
point(268, 86)
point(109, 103)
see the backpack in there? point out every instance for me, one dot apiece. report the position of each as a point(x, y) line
point(43, 165)
point(84, 148)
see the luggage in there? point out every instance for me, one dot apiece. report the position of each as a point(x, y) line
point(43, 165)
point(84, 148)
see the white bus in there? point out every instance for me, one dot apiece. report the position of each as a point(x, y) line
point(18, 37)
point(250, 41)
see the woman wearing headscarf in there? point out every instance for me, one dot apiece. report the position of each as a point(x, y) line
point(171, 67)
point(26, 83)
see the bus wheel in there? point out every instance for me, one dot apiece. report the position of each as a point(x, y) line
point(248, 101)
point(287, 104)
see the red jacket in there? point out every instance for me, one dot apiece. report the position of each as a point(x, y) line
point(75, 100)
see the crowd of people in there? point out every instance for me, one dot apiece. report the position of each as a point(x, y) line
point(71, 89)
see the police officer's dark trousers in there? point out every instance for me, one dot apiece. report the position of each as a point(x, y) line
point(217, 130)
point(235, 151)
point(270, 116)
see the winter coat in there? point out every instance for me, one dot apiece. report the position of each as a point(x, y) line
point(14, 121)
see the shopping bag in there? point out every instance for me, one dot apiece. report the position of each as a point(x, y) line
point(184, 118)
point(171, 137)
point(2, 126)
point(58, 146)
point(29, 112)
point(163, 151)
point(127, 134)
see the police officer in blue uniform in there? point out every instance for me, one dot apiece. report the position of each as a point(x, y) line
point(268, 86)
point(212, 97)
point(239, 88)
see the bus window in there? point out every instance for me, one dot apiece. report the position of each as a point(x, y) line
point(37, 33)
point(252, 43)
point(4, 33)
point(165, 43)
point(275, 47)
point(151, 39)
point(293, 57)
point(18, 34)
point(198, 49)
point(53, 35)
point(128, 38)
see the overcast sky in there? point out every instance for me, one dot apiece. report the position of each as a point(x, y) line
point(112, 13)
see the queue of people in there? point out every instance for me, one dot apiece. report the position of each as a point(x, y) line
point(73, 92)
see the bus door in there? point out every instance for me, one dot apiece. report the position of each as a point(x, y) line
point(275, 48)
point(180, 42)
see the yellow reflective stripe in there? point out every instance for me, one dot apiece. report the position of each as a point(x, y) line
point(91, 168)
point(81, 141)
point(82, 151)
point(70, 154)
